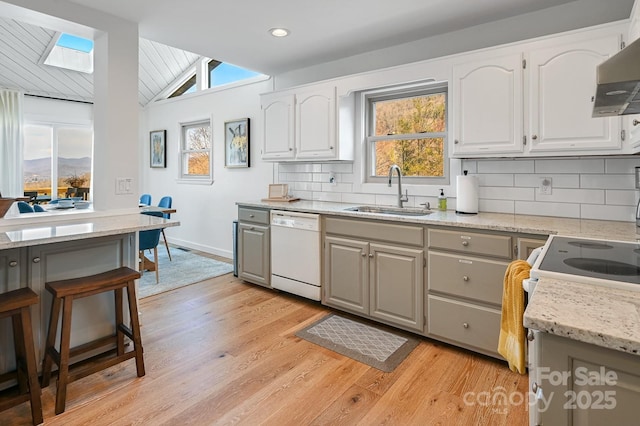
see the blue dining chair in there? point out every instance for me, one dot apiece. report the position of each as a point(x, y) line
point(166, 202)
point(145, 199)
point(24, 207)
point(148, 240)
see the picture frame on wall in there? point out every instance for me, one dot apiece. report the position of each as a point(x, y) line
point(158, 148)
point(236, 143)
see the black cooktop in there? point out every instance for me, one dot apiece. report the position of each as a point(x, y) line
point(602, 259)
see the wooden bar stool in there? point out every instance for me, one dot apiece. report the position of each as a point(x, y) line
point(64, 292)
point(15, 304)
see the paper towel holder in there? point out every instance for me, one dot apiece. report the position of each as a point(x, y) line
point(473, 209)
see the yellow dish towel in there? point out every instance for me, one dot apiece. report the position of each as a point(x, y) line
point(512, 339)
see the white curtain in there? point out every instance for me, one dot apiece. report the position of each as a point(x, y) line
point(11, 180)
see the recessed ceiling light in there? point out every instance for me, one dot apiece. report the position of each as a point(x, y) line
point(279, 32)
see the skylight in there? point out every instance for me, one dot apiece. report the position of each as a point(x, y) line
point(72, 53)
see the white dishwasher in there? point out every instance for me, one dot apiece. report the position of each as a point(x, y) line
point(295, 253)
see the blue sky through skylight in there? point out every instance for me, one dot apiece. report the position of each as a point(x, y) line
point(77, 43)
point(227, 73)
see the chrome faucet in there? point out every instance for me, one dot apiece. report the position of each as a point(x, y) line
point(401, 198)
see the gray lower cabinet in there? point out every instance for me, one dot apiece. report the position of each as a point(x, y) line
point(582, 384)
point(375, 277)
point(465, 281)
point(254, 259)
point(13, 275)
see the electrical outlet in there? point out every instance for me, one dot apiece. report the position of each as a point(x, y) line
point(332, 178)
point(545, 185)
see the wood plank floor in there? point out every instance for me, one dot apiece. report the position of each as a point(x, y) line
point(224, 352)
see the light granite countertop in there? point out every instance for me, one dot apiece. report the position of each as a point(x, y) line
point(24, 233)
point(537, 225)
point(599, 315)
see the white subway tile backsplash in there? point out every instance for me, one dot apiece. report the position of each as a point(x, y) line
point(560, 195)
point(547, 209)
point(335, 197)
point(496, 206)
point(621, 165)
point(337, 167)
point(573, 165)
point(595, 188)
point(503, 193)
point(340, 187)
point(620, 197)
point(619, 213)
point(358, 198)
point(506, 166)
point(495, 180)
point(557, 180)
point(607, 181)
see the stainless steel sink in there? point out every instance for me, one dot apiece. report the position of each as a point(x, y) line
point(405, 211)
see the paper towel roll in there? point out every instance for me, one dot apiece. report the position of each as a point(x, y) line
point(467, 194)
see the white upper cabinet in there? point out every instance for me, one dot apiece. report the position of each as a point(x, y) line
point(535, 100)
point(562, 81)
point(487, 107)
point(278, 126)
point(632, 122)
point(316, 123)
point(302, 125)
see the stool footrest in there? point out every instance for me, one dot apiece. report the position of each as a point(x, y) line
point(9, 402)
point(90, 366)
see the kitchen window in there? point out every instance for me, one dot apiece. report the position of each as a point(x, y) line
point(196, 155)
point(408, 127)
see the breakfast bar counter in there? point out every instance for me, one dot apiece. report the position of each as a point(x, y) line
point(38, 249)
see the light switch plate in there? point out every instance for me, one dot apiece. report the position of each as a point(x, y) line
point(124, 186)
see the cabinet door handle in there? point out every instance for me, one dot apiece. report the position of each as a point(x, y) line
point(456, 142)
point(635, 122)
point(465, 243)
point(535, 387)
point(363, 254)
point(530, 336)
point(330, 147)
point(252, 229)
point(36, 260)
point(534, 137)
point(465, 324)
point(370, 254)
point(465, 278)
point(290, 149)
point(13, 263)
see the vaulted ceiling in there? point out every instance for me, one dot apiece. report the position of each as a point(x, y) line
point(22, 46)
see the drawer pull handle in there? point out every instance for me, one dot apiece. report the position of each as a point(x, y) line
point(465, 243)
point(530, 336)
point(466, 278)
point(465, 324)
point(13, 263)
point(36, 260)
point(251, 215)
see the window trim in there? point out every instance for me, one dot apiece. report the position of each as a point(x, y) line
point(369, 97)
point(195, 179)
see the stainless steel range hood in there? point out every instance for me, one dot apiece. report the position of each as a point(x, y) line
point(618, 81)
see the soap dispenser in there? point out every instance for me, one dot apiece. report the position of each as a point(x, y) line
point(442, 201)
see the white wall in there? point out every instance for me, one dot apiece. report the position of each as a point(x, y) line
point(206, 212)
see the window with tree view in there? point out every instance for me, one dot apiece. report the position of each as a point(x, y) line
point(408, 129)
point(196, 151)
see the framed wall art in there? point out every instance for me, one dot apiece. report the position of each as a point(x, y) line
point(236, 143)
point(158, 148)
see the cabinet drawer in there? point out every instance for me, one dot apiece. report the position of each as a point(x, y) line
point(464, 276)
point(376, 230)
point(471, 242)
point(468, 324)
point(253, 215)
